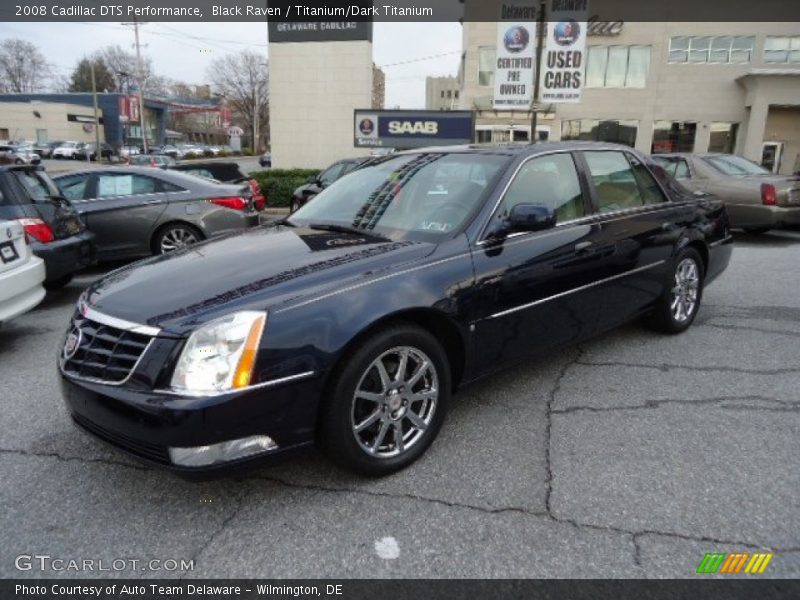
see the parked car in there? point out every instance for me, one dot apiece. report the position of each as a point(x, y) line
point(265, 160)
point(316, 183)
point(21, 273)
point(757, 200)
point(225, 172)
point(106, 151)
point(129, 151)
point(19, 155)
point(398, 285)
point(43, 149)
point(66, 150)
point(52, 226)
point(138, 211)
point(160, 161)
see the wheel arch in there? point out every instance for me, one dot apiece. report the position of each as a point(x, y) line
point(157, 231)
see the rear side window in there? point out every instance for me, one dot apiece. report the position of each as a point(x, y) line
point(37, 188)
point(170, 187)
point(550, 181)
point(647, 184)
point(614, 181)
point(120, 184)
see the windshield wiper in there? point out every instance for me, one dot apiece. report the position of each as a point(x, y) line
point(344, 229)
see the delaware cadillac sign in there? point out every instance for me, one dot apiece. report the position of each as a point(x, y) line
point(402, 129)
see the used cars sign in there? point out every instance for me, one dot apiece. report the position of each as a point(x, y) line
point(411, 128)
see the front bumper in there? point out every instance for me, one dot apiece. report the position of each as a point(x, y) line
point(758, 215)
point(65, 257)
point(145, 424)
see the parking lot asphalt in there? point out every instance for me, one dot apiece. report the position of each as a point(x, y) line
point(630, 456)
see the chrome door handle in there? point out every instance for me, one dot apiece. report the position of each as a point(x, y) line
point(583, 247)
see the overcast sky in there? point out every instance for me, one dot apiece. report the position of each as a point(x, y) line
point(183, 51)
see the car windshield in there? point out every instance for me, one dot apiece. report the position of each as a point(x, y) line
point(424, 197)
point(735, 165)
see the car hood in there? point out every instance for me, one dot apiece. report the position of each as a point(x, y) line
point(259, 269)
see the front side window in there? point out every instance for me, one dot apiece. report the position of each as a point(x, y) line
point(421, 197)
point(486, 60)
point(548, 181)
point(613, 179)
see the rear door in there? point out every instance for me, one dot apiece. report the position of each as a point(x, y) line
point(122, 210)
point(639, 226)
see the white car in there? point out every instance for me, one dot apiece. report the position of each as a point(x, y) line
point(66, 150)
point(21, 273)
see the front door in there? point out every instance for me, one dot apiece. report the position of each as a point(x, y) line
point(534, 290)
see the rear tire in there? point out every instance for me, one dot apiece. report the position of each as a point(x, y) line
point(175, 236)
point(377, 421)
point(677, 307)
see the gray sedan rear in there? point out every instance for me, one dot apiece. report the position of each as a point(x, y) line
point(138, 211)
point(756, 199)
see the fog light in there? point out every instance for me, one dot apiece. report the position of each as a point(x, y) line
point(201, 456)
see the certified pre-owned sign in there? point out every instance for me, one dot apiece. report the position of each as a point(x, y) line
point(402, 129)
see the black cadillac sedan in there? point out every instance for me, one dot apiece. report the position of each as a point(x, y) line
point(399, 284)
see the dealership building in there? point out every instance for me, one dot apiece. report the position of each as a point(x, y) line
point(661, 87)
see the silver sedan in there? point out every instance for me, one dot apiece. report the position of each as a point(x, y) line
point(138, 211)
point(756, 199)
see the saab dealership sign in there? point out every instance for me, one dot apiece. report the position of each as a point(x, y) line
point(403, 129)
point(565, 51)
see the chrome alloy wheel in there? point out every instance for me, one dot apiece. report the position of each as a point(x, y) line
point(685, 290)
point(394, 402)
point(176, 238)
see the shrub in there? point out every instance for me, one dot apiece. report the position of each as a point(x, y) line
point(280, 184)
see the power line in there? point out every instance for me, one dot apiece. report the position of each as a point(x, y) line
point(420, 59)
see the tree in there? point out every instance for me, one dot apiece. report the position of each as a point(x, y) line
point(81, 78)
point(243, 79)
point(23, 67)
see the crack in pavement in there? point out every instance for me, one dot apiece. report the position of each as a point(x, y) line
point(786, 406)
point(549, 424)
point(82, 459)
point(218, 531)
point(755, 329)
point(519, 510)
point(668, 367)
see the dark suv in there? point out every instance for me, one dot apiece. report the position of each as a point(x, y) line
point(52, 226)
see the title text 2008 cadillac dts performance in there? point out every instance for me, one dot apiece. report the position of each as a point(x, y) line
point(369, 307)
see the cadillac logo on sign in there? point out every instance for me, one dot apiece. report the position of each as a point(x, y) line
point(72, 343)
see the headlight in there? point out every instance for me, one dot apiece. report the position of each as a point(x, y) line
point(221, 355)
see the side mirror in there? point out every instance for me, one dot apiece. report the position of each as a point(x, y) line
point(530, 217)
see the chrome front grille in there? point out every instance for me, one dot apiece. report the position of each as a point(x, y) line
point(100, 352)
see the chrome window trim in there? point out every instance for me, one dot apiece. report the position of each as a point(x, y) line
point(62, 361)
point(104, 319)
point(572, 291)
point(256, 386)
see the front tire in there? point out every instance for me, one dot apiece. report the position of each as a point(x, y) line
point(387, 401)
point(677, 307)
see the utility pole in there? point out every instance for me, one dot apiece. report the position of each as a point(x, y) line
point(98, 153)
point(140, 82)
point(541, 33)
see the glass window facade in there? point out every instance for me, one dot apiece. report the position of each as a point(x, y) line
point(619, 132)
point(673, 136)
point(486, 60)
point(721, 49)
point(723, 137)
point(782, 49)
point(617, 66)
